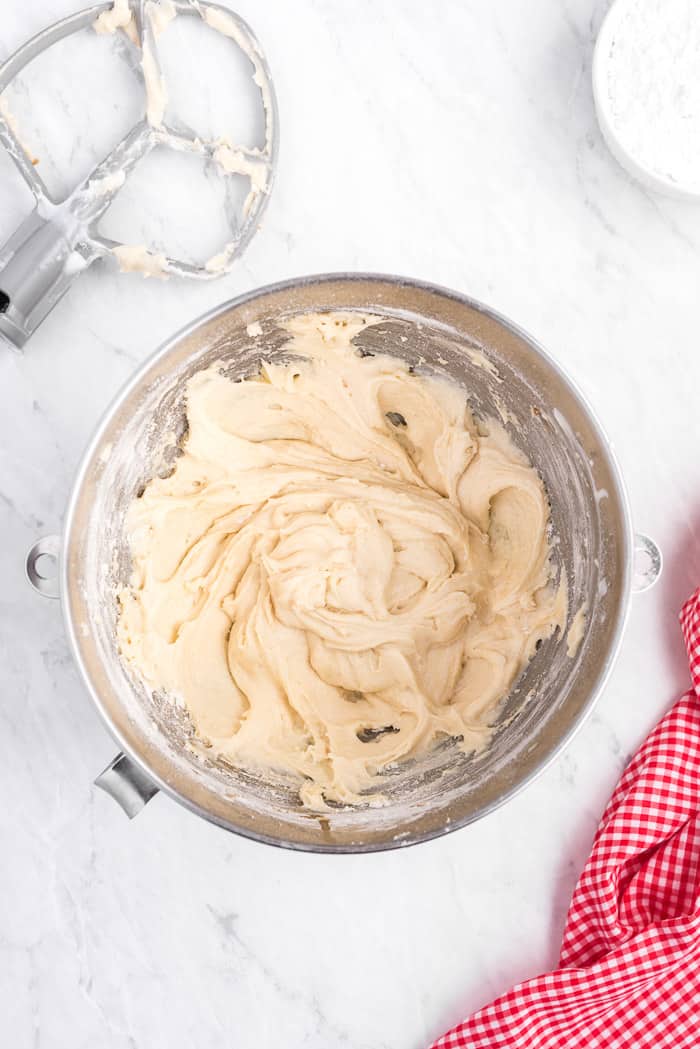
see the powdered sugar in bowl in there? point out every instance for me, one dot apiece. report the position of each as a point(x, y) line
point(646, 85)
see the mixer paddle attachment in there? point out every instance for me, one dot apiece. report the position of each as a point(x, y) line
point(59, 239)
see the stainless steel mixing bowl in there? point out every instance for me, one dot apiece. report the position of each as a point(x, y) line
point(503, 372)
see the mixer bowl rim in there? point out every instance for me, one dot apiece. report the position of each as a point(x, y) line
point(133, 382)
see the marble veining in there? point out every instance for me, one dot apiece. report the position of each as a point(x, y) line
point(463, 149)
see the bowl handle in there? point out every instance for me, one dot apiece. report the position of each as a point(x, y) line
point(124, 781)
point(41, 565)
point(648, 563)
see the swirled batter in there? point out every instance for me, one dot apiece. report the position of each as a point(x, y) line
point(343, 567)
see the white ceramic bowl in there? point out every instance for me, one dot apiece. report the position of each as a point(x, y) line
point(610, 30)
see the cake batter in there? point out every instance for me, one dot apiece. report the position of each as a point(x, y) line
point(343, 567)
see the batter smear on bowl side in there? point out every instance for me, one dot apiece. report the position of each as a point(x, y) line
point(343, 568)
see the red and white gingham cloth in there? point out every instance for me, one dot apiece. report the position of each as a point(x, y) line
point(629, 975)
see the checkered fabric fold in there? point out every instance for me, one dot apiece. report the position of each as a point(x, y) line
point(629, 971)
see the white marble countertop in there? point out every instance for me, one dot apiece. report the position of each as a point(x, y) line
point(459, 147)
